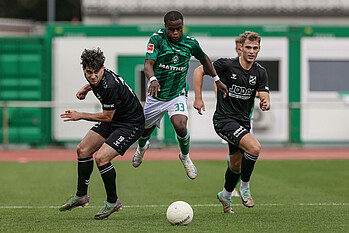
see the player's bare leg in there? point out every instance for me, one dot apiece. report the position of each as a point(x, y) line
point(179, 123)
point(142, 147)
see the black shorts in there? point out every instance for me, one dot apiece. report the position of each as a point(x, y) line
point(231, 131)
point(119, 137)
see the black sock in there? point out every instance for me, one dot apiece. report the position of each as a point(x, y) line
point(108, 176)
point(85, 168)
point(231, 179)
point(247, 164)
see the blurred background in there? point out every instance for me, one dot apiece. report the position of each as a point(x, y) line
point(305, 49)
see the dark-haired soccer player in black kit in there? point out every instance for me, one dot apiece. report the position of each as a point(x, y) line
point(119, 125)
point(243, 77)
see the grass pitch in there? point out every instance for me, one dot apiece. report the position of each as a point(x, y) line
point(290, 196)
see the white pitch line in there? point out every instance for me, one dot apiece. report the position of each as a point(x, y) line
point(198, 205)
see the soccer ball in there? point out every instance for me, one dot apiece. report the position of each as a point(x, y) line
point(179, 213)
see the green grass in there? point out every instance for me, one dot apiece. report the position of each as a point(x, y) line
point(290, 196)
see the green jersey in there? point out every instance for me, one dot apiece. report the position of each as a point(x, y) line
point(172, 62)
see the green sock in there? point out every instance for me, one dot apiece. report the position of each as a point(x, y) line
point(142, 141)
point(184, 143)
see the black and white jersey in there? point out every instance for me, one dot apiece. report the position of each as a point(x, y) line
point(114, 94)
point(242, 86)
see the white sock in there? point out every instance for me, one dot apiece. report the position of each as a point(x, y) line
point(226, 194)
point(244, 185)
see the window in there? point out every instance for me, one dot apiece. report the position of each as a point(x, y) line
point(272, 68)
point(328, 75)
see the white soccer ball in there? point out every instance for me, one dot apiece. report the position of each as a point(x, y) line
point(179, 213)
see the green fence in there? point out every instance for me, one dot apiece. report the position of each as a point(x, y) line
point(24, 77)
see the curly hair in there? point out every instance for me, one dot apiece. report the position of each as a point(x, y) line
point(92, 58)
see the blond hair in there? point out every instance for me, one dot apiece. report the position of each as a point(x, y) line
point(251, 36)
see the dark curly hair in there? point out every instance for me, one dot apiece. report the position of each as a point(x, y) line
point(92, 58)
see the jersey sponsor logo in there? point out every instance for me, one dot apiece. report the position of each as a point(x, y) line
point(175, 68)
point(150, 48)
point(240, 92)
point(233, 76)
point(252, 80)
point(239, 131)
point(108, 105)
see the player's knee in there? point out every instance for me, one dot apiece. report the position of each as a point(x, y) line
point(180, 128)
point(82, 152)
point(255, 149)
point(100, 160)
point(235, 165)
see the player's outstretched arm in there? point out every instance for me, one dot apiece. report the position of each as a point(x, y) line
point(72, 115)
point(198, 80)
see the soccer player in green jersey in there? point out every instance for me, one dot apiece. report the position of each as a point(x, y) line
point(166, 66)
